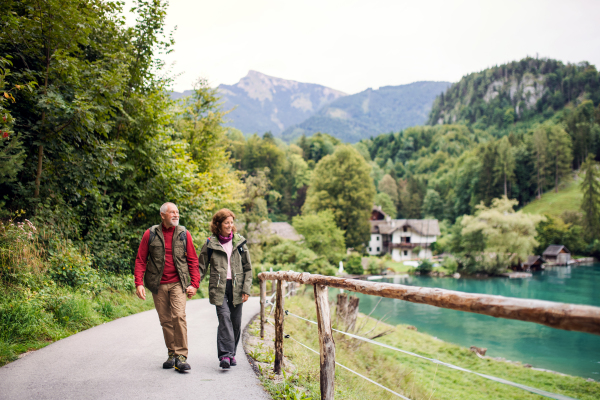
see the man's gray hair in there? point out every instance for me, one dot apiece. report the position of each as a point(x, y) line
point(163, 208)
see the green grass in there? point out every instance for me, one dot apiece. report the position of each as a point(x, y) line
point(32, 320)
point(415, 378)
point(567, 199)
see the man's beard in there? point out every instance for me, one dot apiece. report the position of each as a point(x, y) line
point(175, 222)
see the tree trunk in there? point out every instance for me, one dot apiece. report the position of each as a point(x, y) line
point(341, 309)
point(38, 175)
point(352, 313)
point(279, 329)
point(326, 343)
point(263, 295)
point(505, 189)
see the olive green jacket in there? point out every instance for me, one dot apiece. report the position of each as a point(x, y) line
point(156, 259)
point(241, 269)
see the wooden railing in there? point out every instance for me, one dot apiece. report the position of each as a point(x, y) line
point(569, 317)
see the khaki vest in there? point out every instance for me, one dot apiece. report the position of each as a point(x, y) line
point(155, 265)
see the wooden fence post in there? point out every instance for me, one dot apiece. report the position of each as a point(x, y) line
point(263, 295)
point(326, 343)
point(278, 328)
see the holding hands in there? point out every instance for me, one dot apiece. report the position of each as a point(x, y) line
point(191, 291)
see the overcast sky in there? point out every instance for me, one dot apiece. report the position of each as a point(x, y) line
point(354, 45)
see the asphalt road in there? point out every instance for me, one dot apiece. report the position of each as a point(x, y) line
point(123, 359)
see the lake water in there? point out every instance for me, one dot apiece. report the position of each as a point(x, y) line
point(572, 353)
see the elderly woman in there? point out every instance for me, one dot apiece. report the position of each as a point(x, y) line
point(229, 283)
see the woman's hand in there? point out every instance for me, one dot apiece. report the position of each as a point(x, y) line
point(245, 297)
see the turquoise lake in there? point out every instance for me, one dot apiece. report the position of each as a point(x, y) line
point(572, 353)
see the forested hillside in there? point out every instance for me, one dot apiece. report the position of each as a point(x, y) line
point(371, 112)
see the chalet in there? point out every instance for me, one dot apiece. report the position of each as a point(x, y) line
point(557, 254)
point(400, 237)
point(533, 263)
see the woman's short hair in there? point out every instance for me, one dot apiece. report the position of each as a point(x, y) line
point(218, 218)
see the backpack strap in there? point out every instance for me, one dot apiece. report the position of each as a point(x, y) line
point(209, 251)
point(183, 238)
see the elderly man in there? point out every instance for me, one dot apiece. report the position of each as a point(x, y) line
point(167, 265)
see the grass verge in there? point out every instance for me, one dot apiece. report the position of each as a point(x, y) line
point(415, 378)
point(555, 204)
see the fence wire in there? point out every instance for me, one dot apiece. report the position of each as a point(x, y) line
point(346, 368)
point(493, 378)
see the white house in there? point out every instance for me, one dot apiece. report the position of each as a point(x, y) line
point(400, 237)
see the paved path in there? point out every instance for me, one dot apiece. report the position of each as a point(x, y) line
point(123, 359)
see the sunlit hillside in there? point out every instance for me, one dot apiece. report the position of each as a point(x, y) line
point(568, 198)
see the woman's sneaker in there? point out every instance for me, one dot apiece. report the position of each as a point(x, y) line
point(170, 363)
point(181, 364)
point(225, 363)
point(233, 363)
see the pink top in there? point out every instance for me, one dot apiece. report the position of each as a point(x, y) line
point(228, 247)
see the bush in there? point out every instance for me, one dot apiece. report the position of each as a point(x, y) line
point(354, 265)
point(450, 264)
point(425, 267)
point(374, 266)
point(69, 267)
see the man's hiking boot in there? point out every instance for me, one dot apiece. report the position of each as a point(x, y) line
point(224, 363)
point(180, 363)
point(170, 363)
point(233, 363)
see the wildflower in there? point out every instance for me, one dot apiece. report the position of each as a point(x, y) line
point(4, 135)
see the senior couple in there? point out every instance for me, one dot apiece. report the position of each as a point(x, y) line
point(168, 266)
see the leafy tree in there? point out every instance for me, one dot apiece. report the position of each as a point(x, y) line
point(388, 185)
point(505, 163)
point(539, 143)
point(12, 153)
point(559, 153)
point(341, 183)
point(509, 235)
point(411, 198)
point(387, 205)
point(591, 197)
point(321, 234)
point(433, 205)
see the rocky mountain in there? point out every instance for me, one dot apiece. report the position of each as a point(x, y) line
point(264, 103)
point(372, 112)
point(521, 91)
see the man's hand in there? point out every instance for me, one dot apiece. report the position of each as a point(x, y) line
point(191, 291)
point(141, 292)
point(245, 297)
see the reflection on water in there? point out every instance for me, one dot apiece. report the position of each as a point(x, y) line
point(572, 353)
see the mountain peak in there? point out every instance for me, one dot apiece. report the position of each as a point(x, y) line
point(267, 103)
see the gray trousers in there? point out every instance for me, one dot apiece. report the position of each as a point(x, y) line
point(230, 322)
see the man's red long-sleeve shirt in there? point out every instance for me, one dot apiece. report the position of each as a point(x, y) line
point(170, 274)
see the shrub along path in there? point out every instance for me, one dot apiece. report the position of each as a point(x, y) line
point(123, 359)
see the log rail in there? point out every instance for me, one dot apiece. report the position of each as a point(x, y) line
point(570, 317)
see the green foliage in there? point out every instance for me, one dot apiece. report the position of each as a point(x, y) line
point(387, 205)
point(321, 234)
point(552, 230)
point(354, 265)
point(289, 255)
point(341, 183)
point(69, 267)
point(590, 204)
point(518, 91)
point(508, 236)
point(425, 267)
point(450, 264)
